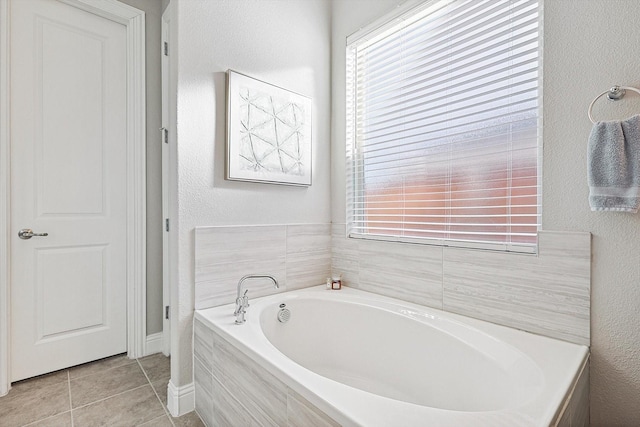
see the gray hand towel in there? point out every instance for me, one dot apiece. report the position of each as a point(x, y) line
point(614, 165)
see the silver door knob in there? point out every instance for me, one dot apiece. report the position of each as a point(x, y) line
point(27, 233)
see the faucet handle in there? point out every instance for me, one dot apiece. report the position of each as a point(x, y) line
point(241, 303)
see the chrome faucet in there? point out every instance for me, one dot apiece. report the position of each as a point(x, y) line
point(242, 300)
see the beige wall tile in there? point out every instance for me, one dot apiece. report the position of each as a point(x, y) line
point(229, 412)
point(403, 271)
point(203, 344)
point(264, 396)
point(223, 255)
point(301, 412)
point(203, 390)
point(547, 294)
point(345, 258)
point(308, 261)
point(297, 255)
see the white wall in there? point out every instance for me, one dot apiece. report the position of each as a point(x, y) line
point(283, 42)
point(589, 46)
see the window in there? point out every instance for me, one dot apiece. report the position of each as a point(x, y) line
point(444, 125)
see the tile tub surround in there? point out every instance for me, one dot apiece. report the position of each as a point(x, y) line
point(116, 391)
point(576, 411)
point(233, 390)
point(241, 379)
point(548, 293)
point(297, 255)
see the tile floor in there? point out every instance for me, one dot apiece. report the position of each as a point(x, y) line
point(114, 392)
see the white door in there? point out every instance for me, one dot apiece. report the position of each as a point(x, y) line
point(68, 179)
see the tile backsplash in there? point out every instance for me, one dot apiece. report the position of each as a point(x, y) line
point(548, 294)
point(297, 256)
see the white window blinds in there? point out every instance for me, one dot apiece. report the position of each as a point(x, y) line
point(444, 125)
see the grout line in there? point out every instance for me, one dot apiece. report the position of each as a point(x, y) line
point(55, 415)
point(125, 363)
point(164, 406)
point(286, 257)
point(44, 419)
point(70, 402)
point(442, 277)
point(113, 395)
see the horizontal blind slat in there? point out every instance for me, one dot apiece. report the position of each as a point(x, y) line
point(406, 35)
point(450, 117)
point(459, 91)
point(428, 57)
point(420, 53)
point(452, 137)
point(437, 73)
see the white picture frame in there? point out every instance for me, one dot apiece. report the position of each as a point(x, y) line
point(268, 133)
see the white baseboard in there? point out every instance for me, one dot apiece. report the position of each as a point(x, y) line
point(154, 344)
point(180, 400)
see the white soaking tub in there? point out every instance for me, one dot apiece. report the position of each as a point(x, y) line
point(368, 360)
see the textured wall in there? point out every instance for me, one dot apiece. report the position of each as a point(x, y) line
point(588, 47)
point(283, 42)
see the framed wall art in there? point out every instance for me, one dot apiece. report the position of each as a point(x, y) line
point(268, 133)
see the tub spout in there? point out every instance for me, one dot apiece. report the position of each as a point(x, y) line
point(242, 300)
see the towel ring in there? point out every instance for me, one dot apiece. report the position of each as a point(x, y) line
point(614, 94)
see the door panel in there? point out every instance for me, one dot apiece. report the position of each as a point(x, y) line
point(71, 71)
point(72, 297)
point(71, 75)
point(68, 178)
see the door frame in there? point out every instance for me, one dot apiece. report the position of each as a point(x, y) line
point(134, 21)
point(165, 22)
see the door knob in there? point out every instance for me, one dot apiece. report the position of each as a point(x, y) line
point(27, 233)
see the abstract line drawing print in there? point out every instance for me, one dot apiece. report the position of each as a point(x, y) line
point(268, 133)
point(272, 137)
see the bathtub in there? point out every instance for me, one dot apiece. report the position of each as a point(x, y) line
point(361, 359)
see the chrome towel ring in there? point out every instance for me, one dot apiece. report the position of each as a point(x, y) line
point(614, 94)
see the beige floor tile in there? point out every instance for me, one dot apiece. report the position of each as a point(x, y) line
point(132, 408)
point(109, 392)
point(162, 421)
point(157, 367)
point(99, 366)
point(40, 381)
point(161, 389)
point(189, 420)
point(62, 420)
point(91, 388)
point(26, 404)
